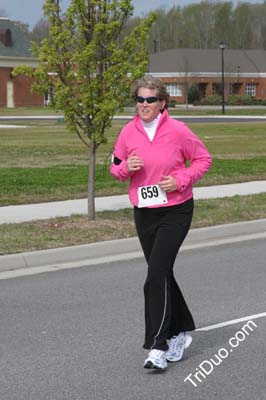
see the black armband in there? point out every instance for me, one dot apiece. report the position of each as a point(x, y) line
point(116, 161)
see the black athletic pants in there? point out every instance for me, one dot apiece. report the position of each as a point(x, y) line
point(161, 232)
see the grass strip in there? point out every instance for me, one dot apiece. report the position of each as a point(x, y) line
point(31, 185)
point(111, 225)
point(50, 144)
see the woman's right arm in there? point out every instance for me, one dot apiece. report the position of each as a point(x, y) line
point(118, 166)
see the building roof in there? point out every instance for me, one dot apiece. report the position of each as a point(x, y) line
point(208, 61)
point(13, 41)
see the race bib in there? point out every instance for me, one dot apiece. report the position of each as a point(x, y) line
point(151, 196)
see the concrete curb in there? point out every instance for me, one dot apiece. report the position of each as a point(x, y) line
point(124, 249)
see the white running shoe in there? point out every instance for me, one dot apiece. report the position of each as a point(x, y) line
point(156, 359)
point(177, 345)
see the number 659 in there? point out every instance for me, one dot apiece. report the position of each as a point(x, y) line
point(149, 192)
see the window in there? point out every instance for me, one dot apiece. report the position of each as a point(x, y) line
point(174, 89)
point(216, 88)
point(48, 95)
point(251, 89)
point(6, 37)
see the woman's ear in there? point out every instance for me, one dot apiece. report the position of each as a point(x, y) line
point(162, 105)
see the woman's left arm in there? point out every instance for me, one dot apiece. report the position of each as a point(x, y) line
point(197, 154)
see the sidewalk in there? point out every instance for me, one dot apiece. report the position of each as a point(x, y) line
point(29, 212)
point(29, 263)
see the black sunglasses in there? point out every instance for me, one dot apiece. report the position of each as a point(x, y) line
point(149, 100)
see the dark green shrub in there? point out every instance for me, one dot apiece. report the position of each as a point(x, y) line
point(214, 100)
point(240, 100)
point(172, 103)
point(193, 94)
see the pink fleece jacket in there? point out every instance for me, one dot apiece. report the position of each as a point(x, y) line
point(173, 147)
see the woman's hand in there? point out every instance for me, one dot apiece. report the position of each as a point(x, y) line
point(134, 163)
point(168, 183)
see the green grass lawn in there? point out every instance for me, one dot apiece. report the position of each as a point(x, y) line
point(46, 162)
point(29, 185)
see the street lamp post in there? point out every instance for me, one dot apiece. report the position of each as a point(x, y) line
point(222, 46)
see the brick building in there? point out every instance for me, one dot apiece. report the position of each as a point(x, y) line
point(244, 71)
point(15, 51)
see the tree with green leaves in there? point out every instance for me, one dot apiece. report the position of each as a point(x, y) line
point(206, 23)
point(89, 62)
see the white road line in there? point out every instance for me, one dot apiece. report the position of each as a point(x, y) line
point(231, 322)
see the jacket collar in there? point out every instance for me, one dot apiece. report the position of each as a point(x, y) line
point(163, 118)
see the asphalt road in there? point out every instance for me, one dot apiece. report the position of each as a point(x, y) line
point(77, 334)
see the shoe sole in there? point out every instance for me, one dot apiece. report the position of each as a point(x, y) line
point(150, 365)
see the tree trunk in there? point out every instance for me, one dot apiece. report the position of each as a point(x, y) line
point(186, 92)
point(91, 181)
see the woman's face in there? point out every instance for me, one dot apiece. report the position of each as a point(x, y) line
point(149, 111)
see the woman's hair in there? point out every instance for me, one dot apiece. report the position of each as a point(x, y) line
point(149, 82)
